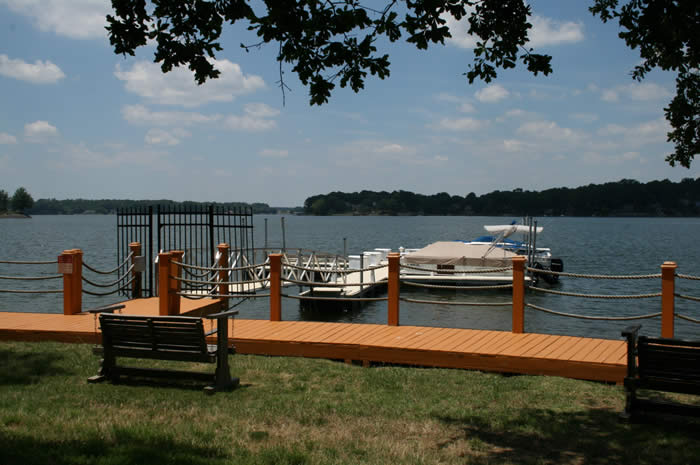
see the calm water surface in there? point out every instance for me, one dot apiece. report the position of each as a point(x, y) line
point(587, 245)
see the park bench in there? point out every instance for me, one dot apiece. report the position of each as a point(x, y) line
point(661, 364)
point(172, 338)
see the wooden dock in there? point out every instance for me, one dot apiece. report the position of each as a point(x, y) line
point(494, 351)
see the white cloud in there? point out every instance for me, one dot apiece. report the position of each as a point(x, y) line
point(549, 131)
point(162, 137)
point(77, 19)
point(274, 153)
point(255, 118)
point(39, 131)
point(463, 104)
point(647, 132)
point(40, 72)
point(139, 114)
point(6, 138)
point(460, 124)
point(492, 94)
point(639, 92)
point(545, 31)
point(179, 88)
point(584, 117)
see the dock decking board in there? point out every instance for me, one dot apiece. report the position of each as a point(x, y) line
point(499, 351)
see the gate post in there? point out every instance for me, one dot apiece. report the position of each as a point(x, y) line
point(518, 295)
point(275, 287)
point(135, 248)
point(393, 285)
point(223, 289)
point(70, 264)
point(668, 290)
point(163, 283)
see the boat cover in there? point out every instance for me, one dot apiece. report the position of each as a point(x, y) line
point(461, 254)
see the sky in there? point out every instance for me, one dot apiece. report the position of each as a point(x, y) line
point(78, 121)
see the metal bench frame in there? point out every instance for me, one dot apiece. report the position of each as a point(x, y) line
point(662, 364)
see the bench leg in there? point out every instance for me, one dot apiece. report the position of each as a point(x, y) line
point(630, 399)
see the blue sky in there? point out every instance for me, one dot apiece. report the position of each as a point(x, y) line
point(79, 121)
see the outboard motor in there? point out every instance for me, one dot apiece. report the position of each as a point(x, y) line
point(556, 264)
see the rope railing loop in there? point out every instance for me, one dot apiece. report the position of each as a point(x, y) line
point(32, 278)
point(595, 296)
point(433, 270)
point(113, 283)
point(119, 267)
point(23, 291)
point(592, 276)
point(688, 276)
point(462, 303)
point(687, 318)
point(589, 317)
point(469, 288)
point(687, 297)
point(125, 286)
point(24, 262)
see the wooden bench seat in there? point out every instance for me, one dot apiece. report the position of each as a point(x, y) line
point(661, 364)
point(173, 338)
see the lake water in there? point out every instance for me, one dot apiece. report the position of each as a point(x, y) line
point(587, 245)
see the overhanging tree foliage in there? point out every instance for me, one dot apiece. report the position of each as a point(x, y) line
point(667, 34)
point(22, 200)
point(329, 41)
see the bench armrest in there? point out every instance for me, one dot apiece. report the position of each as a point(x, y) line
point(226, 314)
point(631, 332)
point(106, 309)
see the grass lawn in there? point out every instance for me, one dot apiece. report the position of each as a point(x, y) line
point(307, 411)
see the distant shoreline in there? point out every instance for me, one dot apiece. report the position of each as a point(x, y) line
point(13, 215)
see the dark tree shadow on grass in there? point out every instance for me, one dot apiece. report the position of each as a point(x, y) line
point(589, 437)
point(24, 367)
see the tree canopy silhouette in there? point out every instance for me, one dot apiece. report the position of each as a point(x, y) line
point(336, 41)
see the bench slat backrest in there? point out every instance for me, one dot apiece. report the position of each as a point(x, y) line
point(669, 359)
point(159, 337)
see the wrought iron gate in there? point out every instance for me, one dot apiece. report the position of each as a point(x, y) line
point(196, 229)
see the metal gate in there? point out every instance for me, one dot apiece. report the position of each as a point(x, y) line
point(196, 229)
point(136, 225)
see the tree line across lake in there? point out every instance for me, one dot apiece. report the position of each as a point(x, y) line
point(623, 198)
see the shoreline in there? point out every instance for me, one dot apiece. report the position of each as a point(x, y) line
point(14, 216)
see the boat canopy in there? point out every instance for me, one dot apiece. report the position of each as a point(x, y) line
point(461, 254)
point(508, 229)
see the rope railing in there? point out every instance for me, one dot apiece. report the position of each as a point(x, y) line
point(590, 317)
point(459, 288)
point(119, 267)
point(24, 291)
point(688, 276)
point(113, 283)
point(687, 318)
point(595, 296)
point(442, 271)
point(592, 276)
point(114, 291)
point(337, 299)
point(462, 303)
point(687, 297)
point(217, 268)
point(32, 278)
point(18, 262)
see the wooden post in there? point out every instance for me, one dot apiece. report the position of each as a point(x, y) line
point(223, 274)
point(163, 283)
point(135, 248)
point(175, 285)
point(70, 264)
point(393, 286)
point(668, 290)
point(275, 287)
point(519, 295)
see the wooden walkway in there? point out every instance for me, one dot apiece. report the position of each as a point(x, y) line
point(494, 351)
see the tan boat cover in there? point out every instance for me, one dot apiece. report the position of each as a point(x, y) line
point(461, 254)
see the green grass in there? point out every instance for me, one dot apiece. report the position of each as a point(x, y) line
point(305, 411)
